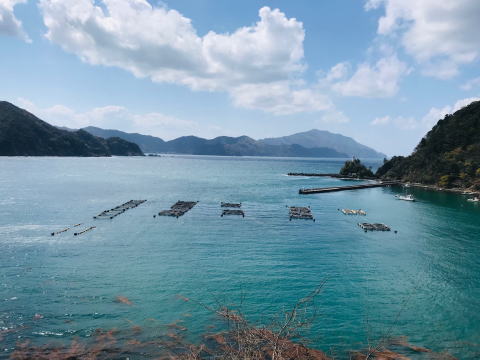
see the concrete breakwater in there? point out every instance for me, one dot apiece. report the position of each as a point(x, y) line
point(337, 176)
point(344, 188)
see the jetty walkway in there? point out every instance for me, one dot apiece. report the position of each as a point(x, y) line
point(344, 188)
point(337, 176)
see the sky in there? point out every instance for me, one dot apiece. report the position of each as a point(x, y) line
point(380, 71)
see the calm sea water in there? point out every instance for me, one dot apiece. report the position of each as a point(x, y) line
point(422, 282)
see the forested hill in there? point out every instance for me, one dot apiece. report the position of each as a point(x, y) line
point(23, 134)
point(448, 156)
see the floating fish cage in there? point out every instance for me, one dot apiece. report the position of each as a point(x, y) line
point(374, 227)
point(231, 205)
point(233, 212)
point(353, 212)
point(84, 231)
point(301, 213)
point(120, 209)
point(65, 230)
point(178, 209)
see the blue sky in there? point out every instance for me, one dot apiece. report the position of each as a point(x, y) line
point(380, 71)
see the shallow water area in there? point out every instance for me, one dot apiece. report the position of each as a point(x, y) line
point(422, 282)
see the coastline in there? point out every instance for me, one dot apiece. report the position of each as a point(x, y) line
point(456, 190)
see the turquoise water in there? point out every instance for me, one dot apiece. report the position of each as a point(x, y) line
point(422, 282)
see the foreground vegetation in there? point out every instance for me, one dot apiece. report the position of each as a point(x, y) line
point(282, 339)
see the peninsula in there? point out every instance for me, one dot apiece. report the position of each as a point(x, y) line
point(23, 134)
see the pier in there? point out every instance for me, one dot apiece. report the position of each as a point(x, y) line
point(337, 176)
point(344, 188)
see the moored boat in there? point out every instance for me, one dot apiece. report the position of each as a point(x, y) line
point(408, 197)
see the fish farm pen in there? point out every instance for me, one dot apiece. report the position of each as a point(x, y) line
point(304, 213)
point(65, 230)
point(374, 227)
point(232, 209)
point(84, 231)
point(120, 209)
point(353, 212)
point(178, 209)
point(231, 205)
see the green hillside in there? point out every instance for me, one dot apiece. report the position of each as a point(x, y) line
point(448, 156)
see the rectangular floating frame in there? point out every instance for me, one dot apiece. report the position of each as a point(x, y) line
point(353, 212)
point(231, 205)
point(304, 213)
point(374, 227)
point(178, 209)
point(84, 231)
point(120, 209)
point(233, 212)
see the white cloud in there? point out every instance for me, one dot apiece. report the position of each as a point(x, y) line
point(427, 121)
point(279, 98)
point(9, 24)
point(436, 114)
point(470, 84)
point(373, 81)
point(400, 122)
point(162, 44)
point(381, 120)
point(439, 35)
point(334, 116)
point(120, 118)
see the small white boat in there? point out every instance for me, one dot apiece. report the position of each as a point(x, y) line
point(475, 199)
point(405, 197)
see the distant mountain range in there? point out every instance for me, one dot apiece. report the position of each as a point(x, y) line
point(321, 138)
point(23, 134)
point(314, 143)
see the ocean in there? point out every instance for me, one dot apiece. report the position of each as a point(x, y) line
point(422, 282)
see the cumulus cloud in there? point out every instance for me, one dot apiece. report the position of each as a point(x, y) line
point(9, 24)
point(471, 84)
point(384, 120)
point(373, 81)
point(279, 98)
point(439, 35)
point(119, 117)
point(162, 44)
point(436, 114)
point(334, 116)
point(427, 121)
